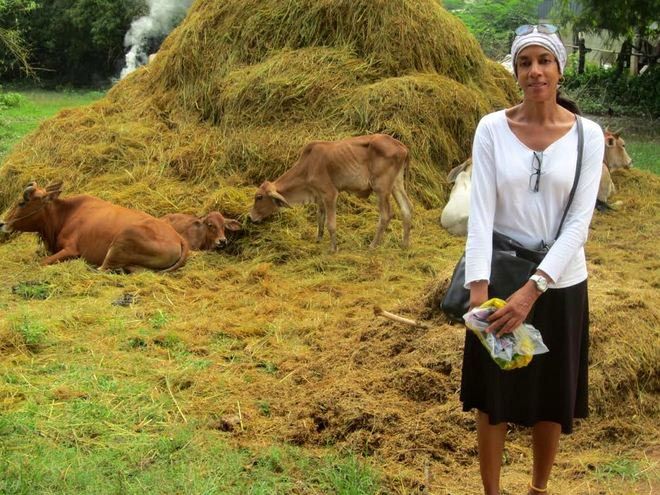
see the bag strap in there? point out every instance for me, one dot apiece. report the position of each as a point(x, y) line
point(578, 167)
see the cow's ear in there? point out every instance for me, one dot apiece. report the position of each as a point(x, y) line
point(52, 195)
point(232, 224)
point(279, 199)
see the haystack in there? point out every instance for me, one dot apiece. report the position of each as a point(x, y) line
point(241, 86)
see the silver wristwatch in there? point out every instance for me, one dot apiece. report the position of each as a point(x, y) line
point(540, 281)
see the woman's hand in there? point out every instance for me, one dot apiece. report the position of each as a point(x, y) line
point(511, 316)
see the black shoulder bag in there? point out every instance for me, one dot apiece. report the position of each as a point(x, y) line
point(511, 263)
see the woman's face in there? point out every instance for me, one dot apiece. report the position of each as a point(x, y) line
point(537, 73)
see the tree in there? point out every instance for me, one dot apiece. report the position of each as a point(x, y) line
point(634, 21)
point(80, 41)
point(13, 49)
point(492, 22)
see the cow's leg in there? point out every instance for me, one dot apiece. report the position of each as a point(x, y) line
point(330, 206)
point(320, 219)
point(405, 208)
point(385, 216)
point(112, 261)
point(61, 255)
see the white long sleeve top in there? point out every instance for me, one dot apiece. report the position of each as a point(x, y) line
point(503, 200)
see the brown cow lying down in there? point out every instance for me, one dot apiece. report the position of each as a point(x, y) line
point(358, 165)
point(103, 234)
point(202, 234)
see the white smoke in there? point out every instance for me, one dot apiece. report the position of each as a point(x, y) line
point(163, 16)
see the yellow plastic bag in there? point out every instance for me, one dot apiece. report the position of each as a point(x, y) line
point(511, 350)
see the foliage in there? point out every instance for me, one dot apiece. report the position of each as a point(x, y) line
point(635, 20)
point(76, 41)
point(492, 22)
point(13, 49)
point(9, 99)
point(600, 90)
point(30, 331)
point(621, 19)
point(33, 289)
point(453, 4)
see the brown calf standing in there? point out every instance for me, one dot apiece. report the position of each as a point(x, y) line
point(202, 234)
point(358, 165)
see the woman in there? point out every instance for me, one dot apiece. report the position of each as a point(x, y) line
point(524, 162)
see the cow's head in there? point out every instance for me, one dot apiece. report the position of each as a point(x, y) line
point(616, 155)
point(466, 166)
point(266, 202)
point(214, 228)
point(27, 215)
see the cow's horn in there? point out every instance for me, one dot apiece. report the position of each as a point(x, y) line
point(279, 197)
point(31, 184)
point(28, 190)
point(618, 131)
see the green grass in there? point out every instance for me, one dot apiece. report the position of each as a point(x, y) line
point(107, 420)
point(36, 105)
point(645, 154)
point(626, 469)
point(83, 458)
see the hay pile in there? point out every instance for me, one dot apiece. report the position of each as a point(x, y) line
point(234, 93)
point(240, 87)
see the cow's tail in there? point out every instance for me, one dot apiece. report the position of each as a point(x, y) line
point(185, 249)
point(405, 171)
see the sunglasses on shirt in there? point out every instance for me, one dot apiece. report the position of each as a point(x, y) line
point(540, 28)
point(535, 176)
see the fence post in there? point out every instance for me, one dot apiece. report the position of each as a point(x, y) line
point(582, 54)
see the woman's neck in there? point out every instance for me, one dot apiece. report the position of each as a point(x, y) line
point(539, 113)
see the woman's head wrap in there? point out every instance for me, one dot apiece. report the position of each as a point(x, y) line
point(548, 41)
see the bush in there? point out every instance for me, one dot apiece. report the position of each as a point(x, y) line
point(601, 91)
point(8, 100)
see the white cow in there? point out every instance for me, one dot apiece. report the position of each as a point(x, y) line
point(455, 214)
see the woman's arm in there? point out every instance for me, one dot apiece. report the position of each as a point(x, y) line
point(483, 194)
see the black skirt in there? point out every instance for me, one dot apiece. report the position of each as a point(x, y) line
point(553, 387)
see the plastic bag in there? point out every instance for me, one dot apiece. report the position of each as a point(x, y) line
point(511, 350)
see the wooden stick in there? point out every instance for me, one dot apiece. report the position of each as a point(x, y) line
point(399, 319)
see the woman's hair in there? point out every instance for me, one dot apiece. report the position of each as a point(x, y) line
point(568, 104)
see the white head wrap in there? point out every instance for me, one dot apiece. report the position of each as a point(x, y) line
point(548, 41)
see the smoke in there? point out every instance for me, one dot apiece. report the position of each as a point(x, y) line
point(151, 30)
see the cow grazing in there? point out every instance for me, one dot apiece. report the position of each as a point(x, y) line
point(103, 234)
point(616, 156)
point(202, 234)
point(358, 165)
point(455, 214)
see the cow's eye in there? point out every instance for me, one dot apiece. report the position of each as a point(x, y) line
point(21, 204)
point(210, 226)
point(259, 197)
